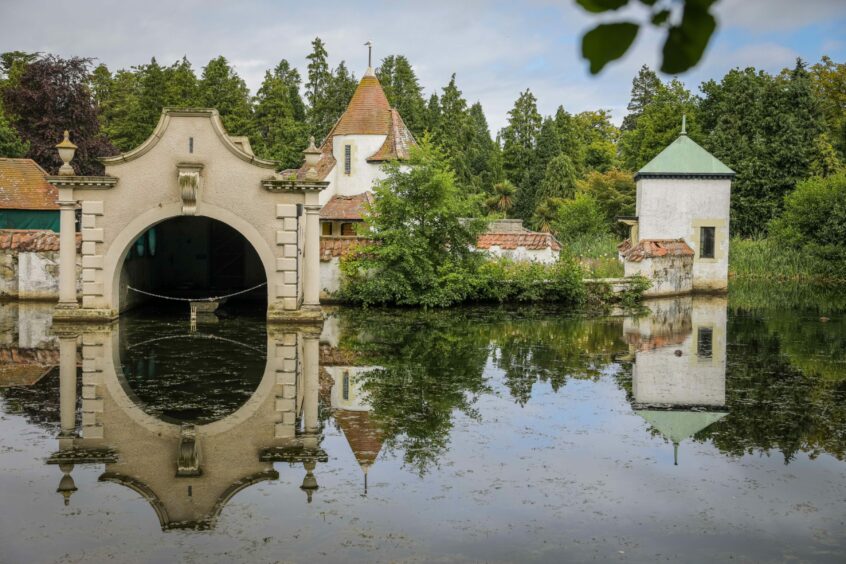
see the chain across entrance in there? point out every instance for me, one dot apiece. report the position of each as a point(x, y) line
point(194, 303)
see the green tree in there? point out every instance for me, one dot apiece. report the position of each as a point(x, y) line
point(11, 144)
point(519, 152)
point(12, 65)
point(403, 91)
point(433, 113)
point(814, 220)
point(502, 198)
point(578, 218)
point(118, 101)
point(659, 125)
point(453, 130)
point(559, 180)
point(766, 129)
point(644, 88)
point(829, 80)
point(181, 85)
point(220, 87)
point(615, 192)
point(281, 131)
point(422, 244)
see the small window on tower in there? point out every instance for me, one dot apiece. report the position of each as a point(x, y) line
point(706, 242)
point(347, 159)
point(190, 144)
point(347, 230)
point(327, 228)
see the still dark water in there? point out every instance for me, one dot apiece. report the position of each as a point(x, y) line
point(700, 430)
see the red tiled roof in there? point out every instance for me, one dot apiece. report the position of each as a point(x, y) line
point(397, 144)
point(24, 186)
point(529, 240)
point(339, 246)
point(652, 248)
point(346, 207)
point(31, 240)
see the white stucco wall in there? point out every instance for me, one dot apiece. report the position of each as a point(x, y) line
point(357, 398)
point(330, 277)
point(362, 173)
point(522, 254)
point(670, 208)
point(661, 376)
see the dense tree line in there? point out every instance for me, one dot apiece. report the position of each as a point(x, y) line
point(774, 130)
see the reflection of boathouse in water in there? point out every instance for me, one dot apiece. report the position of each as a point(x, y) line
point(188, 472)
point(679, 373)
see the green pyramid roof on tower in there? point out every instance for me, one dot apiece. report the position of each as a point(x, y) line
point(685, 158)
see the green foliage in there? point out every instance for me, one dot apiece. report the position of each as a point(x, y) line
point(582, 216)
point(607, 42)
point(11, 144)
point(766, 129)
point(684, 45)
point(281, 131)
point(404, 92)
point(597, 255)
point(615, 192)
point(519, 152)
point(559, 180)
point(829, 80)
point(770, 260)
point(327, 92)
point(814, 221)
point(422, 248)
point(644, 88)
point(220, 87)
point(658, 125)
point(508, 281)
point(502, 198)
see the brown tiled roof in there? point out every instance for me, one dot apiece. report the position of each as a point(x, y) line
point(346, 207)
point(24, 186)
point(647, 343)
point(31, 240)
point(339, 246)
point(368, 112)
point(362, 433)
point(25, 367)
point(397, 144)
point(652, 248)
point(529, 240)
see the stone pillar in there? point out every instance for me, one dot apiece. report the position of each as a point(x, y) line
point(67, 248)
point(311, 278)
point(67, 385)
point(311, 359)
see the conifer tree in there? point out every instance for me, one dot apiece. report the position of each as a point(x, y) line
point(220, 87)
point(403, 91)
point(181, 87)
point(519, 152)
point(644, 87)
point(281, 131)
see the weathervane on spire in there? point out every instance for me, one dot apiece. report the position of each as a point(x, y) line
point(369, 45)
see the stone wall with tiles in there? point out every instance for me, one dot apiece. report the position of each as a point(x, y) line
point(29, 265)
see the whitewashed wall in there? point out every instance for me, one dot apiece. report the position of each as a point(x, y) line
point(362, 173)
point(669, 208)
point(522, 254)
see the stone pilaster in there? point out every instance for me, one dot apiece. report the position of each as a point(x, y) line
point(311, 278)
point(67, 249)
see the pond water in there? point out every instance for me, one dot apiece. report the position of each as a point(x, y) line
point(699, 429)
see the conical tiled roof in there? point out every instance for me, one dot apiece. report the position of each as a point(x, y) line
point(363, 435)
point(368, 112)
point(684, 157)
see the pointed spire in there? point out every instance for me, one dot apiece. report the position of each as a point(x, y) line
point(369, 46)
point(684, 124)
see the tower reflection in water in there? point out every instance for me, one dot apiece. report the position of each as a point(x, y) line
point(188, 469)
point(679, 372)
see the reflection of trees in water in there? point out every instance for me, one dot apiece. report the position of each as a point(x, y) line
point(432, 365)
point(38, 403)
point(776, 400)
point(553, 351)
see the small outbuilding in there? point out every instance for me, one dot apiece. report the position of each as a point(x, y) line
point(679, 238)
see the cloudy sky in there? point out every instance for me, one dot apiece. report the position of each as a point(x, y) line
point(496, 48)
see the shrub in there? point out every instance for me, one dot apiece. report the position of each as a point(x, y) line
point(580, 217)
point(814, 220)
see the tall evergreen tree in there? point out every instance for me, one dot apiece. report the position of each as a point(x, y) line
point(519, 152)
point(659, 124)
point(766, 129)
point(118, 101)
point(453, 131)
point(483, 155)
point(51, 95)
point(317, 90)
point(829, 79)
point(181, 86)
point(220, 87)
point(403, 91)
point(281, 131)
point(433, 113)
point(644, 88)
